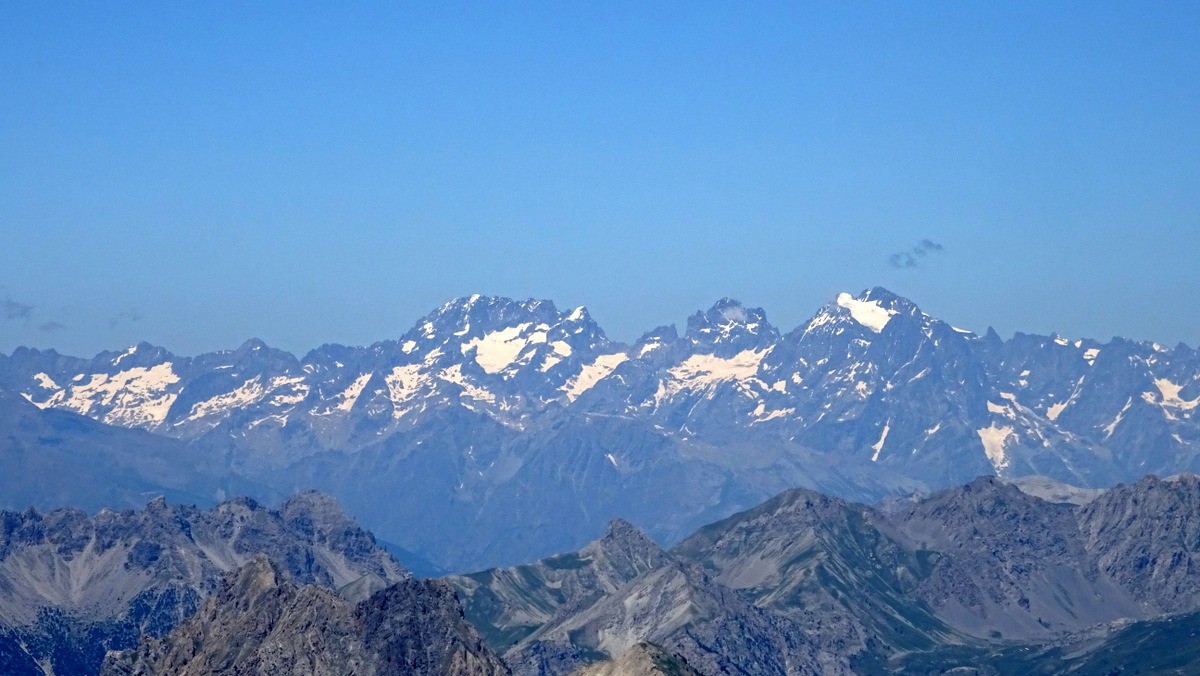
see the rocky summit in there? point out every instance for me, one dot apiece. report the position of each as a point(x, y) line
point(74, 586)
point(259, 623)
point(982, 576)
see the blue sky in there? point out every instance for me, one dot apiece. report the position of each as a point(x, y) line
point(193, 175)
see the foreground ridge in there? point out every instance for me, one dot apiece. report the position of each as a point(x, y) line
point(983, 575)
point(257, 622)
point(79, 585)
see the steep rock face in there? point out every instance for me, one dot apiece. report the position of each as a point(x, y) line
point(72, 585)
point(983, 575)
point(681, 608)
point(509, 603)
point(1008, 564)
point(829, 566)
point(418, 627)
point(257, 622)
point(1146, 537)
point(560, 613)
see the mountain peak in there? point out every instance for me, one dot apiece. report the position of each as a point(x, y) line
point(258, 575)
point(872, 314)
point(731, 325)
point(475, 314)
point(253, 345)
point(620, 535)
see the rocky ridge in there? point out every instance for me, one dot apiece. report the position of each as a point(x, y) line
point(76, 585)
point(258, 622)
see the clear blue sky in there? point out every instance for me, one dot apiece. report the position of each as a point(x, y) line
point(193, 175)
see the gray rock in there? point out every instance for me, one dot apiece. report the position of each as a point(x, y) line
point(73, 586)
point(259, 623)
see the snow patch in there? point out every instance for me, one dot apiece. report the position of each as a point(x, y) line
point(1112, 426)
point(351, 394)
point(404, 382)
point(878, 445)
point(869, 313)
point(137, 397)
point(705, 370)
point(45, 382)
point(496, 350)
point(1169, 395)
point(247, 393)
point(1054, 410)
point(649, 347)
point(994, 440)
point(593, 373)
point(454, 375)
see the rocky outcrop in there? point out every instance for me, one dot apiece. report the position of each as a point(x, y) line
point(260, 623)
point(1009, 565)
point(807, 583)
point(643, 659)
point(625, 590)
point(1146, 537)
point(72, 586)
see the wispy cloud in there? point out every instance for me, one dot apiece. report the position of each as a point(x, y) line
point(15, 311)
point(912, 257)
point(926, 247)
point(24, 313)
point(128, 316)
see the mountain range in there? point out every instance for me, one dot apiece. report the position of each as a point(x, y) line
point(498, 431)
point(73, 586)
point(981, 578)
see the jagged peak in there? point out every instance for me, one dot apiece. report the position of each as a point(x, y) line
point(620, 528)
point(805, 498)
point(253, 345)
point(314, 505)
point(470, 316)
point(981, 487)
point(140, 354)
point(729, 322)
point(477, 302)
point(310, 499)
point(887, 299)
point(872, 309)
point(256, 577)
point(620, 533)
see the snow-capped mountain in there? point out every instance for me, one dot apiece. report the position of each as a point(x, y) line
point(491, 404)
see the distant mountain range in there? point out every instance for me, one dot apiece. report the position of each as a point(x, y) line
point(496, 431)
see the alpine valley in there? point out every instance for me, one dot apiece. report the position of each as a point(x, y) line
point(496, 432)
